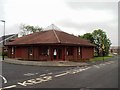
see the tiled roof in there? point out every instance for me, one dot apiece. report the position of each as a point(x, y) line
point(50, 37)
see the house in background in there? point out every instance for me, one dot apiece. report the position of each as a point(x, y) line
point(7, 39)
point(115, 50)
point(51, 44)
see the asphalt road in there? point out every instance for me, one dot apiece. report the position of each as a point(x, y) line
point(104, 75)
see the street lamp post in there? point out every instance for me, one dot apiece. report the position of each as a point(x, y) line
point(3, 39)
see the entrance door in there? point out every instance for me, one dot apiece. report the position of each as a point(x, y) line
point(30, 53)
point(13, 52)
point(57, 54)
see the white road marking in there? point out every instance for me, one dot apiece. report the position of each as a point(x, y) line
point(47, 78)
point(96, 66)
point(61, 74)
point(36, 73)
point(42, 75)
point(50, 73)
point(83, 69)
point(80, 70)
point(74, 71)
point(8, 87)
point(5, 80)
point(29, 74)
point(88, 67)
point(110, 62)
point(102, 64)
point(35, 81)
point(107, 63)
point(23, 84)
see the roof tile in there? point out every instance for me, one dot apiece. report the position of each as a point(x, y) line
point(50, 36)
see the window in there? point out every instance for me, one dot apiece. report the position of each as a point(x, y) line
point(44, 51)
point(30, 51)
point(55, 54)
point(70, 51)
point(13, 50)
point(79, 51)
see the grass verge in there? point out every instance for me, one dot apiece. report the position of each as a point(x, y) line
point(100, 58)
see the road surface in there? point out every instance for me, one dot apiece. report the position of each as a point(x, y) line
point(104, 75)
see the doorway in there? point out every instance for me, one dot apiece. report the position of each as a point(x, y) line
point(30, 53)
point(57, 54)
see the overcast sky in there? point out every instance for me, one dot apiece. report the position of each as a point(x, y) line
point(73, 16)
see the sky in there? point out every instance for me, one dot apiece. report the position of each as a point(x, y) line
point(72, 16)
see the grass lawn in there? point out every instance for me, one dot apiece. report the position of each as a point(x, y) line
point(100, 58)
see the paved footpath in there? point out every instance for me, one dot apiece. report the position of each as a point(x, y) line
point(54, 63)
point(46, 63)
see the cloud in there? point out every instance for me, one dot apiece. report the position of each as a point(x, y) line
point(2, 13)
point(89, 16)
point(88, 27)
point(71, 16)
point(94, 0)
point(92, 5)
point(111, 28)
point(98, 7)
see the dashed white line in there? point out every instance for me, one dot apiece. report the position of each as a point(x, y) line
point(36, 73)
point(102, 64)
point(110, 62)
point(50, 73)
point(5, 80)
point(96, 66)
point(78, 70)
point(61, 74)
point(29, 74)
point(42, 74)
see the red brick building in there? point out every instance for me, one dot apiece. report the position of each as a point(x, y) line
point(50, 45)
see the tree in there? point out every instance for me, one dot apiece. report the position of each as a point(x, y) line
point(27, 29)
point(101, 41)
point(88, 36)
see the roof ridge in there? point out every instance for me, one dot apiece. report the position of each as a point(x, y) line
point(56, 36)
